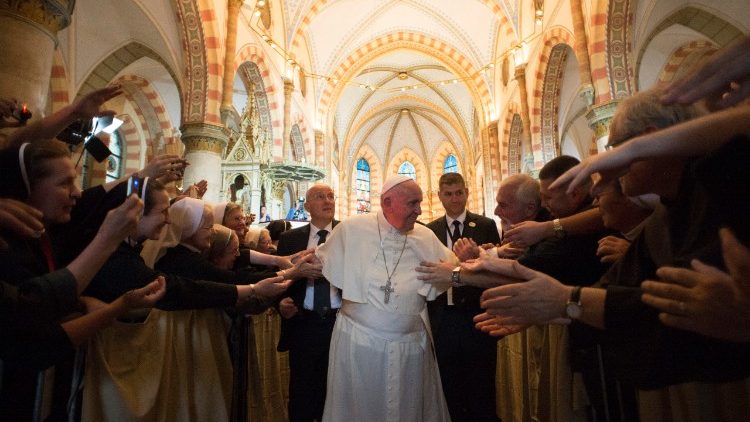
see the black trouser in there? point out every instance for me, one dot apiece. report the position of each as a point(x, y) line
point(467, 359)
point(308, 366)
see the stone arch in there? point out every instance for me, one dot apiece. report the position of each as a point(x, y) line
point(547, 83)
point(611, 49)
point(298, 144)
point(115, 62)
point(194, 96)
point(58, 83)
point(513, 132)
point(376, 180)
point(273, 104)
point(318, 6)
point(252, 78)
point(307, 139)
point(132, 144)
point(396, 103)
point(698, 20)
point(684, 57)
point(550, 101)
point(147, 101)
point(445, 53)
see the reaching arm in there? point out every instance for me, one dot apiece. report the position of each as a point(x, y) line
point(86, 107)
point(689, 139)
point(118, 224)
point(529, 233)
point(101, 315)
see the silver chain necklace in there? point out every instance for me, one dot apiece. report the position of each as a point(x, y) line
point(388, 289)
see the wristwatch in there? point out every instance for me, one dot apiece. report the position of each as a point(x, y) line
point(557, 228)
point(456, 277)
point(574, 309)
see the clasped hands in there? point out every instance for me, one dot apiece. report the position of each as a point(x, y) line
point(303, 264)
point(524, 297)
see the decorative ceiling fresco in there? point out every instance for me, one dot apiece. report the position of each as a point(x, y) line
point(379, 89)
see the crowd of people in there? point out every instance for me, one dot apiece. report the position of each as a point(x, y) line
point(626, 274)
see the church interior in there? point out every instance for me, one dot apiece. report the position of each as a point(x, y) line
point(284, 93)
point(265, 98)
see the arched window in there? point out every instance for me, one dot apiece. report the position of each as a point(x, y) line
point(363, 186)
point(407, 169)
point(114, 161)
point(450, 165)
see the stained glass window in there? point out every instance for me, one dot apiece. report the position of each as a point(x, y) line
point(407, 169)
point(450, 165)
point(114, 161)
point(363, 186)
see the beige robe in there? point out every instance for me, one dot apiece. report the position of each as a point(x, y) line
point(175, 366)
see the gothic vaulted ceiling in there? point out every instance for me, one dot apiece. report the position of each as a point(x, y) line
point(401, 74)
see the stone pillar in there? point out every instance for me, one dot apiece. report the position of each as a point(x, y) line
point(286, 138)
point(320, 149)
point(204, 149)
point(527, 151)
point(28, 38)
point(582, 51)
point(599, 117)
point(256, 181)
point(230, 44)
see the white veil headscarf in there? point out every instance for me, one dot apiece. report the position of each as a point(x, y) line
point(219, 210)
point(185, 218)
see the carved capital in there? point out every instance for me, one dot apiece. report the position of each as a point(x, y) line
point(599, 116)
point(49, 15)
point(204, 137)
point(520, 73)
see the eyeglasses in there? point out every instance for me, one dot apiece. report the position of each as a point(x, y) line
point(323, 196)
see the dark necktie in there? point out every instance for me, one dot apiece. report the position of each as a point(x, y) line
point(321, 290)
point(456, 231)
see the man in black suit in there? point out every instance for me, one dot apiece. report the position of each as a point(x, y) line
point(466, 356)
point(308, 312)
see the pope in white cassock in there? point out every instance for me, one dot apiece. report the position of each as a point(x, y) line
point(382, 366)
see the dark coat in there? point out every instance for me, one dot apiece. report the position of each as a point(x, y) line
point(483, 230)
point(290, 242)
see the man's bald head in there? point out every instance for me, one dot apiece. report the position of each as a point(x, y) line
point(320, 202)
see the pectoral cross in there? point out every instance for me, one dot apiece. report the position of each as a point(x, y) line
point(387, 290)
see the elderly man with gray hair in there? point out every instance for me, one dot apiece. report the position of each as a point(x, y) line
point(382, 366)
point(641, 350)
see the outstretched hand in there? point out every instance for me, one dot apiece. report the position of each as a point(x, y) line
point(89, 105)
point(490, 324)
point(609, 164)
point(273, 286)
point(166, 167)
point(535, 299)
point(438, 273)
point(526, 233)
point(146, 296)
point(704, 299)
point(466, 249)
